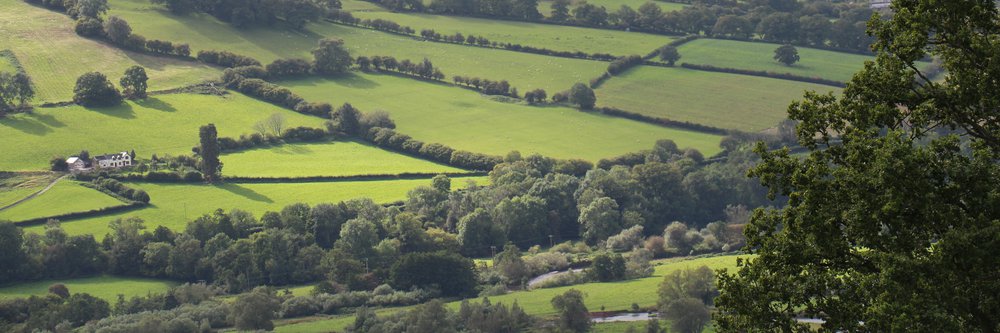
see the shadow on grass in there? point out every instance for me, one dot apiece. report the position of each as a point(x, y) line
point(245, 192)
point(156, 104)
point(27, 124)
point(123, 111)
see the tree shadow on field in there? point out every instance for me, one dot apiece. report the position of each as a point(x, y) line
point(352, 80)
point(48, 120)
point(156, 104)
point(26, 124)
point(245, 192)
point(123, 111)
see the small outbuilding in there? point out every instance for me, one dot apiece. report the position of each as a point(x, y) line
point(76, 164)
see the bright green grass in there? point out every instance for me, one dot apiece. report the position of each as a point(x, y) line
point(339, 158)
point(359, 5)
point(545, 6)
point(164, 124)
point(759, 56)
point(66, 196)
point(554, 37)
point(614, 296)
point(104, 287)
point(464, 119)
point(622, 327)
point(172, 205)
point(17, 186)
point(525, 71)
point(54, 56)
point(728, 101)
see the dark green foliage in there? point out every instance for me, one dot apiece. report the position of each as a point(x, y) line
point(16, 90)
point(178, 6)
point(331, 57)
point(89, 27)
point(94, 90)
point(451, 273)
point(624, 63)
point(346, 120)
point(58, 163)
point(573, 314)
point(12, 255)
point(669, 54)
point(608, 267)
point(255, 310)
point(535, 96)
point(288, 67)
point(893, 227)
point(786, 54)
point(117, 30)
point(210, 165)
point(684, 297)
point(581, 95)
point(226, 59)
point(134, 82)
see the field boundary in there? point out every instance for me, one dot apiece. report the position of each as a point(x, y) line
point(308, 179)
point(33, 195)
point(84, 214)
point(772, 75)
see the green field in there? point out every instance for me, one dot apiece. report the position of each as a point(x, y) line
point(17, 186)
point(758, 56)
point(104, 287)
point(6, 66)
point(554, 37)
point(545, 6)
point(54, 56)
point(466, 120)
point(613, 296)
point(524, 71)
point(339, 158)
point(66, 196)
point(172, 205)
point(164, 124)
point(728, 101)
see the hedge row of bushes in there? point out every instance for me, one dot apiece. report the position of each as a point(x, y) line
point(152, 176)
point(424, 69)
point(226, 59)
point(675, 43)
point(662, 121)
point(624, 63)
point(116, 188)
point(392, 140)
point(295, 134)
point(783, 76)
point(80, 215)
point(486, 86)
point(316, 179)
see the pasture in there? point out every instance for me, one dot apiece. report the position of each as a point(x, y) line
point(759, 56)
point(51, 52)
point(338, 158)
point(466, 120)
point(15, 186)
point(550, 36)
point(545, 6)
point(204, 32)
point(729, 101)
point(164, 124)
point(104, 287)
point(173, 205)
point(66, 196)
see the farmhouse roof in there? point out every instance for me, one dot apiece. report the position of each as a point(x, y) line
point(112, 157)
point(72, 160)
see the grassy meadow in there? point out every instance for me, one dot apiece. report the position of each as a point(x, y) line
point(338, 158)
point(467, 120)
point(66, 196)
point(202, 31)
point(104, 287)
point(612, 295)
point(545, 6)
point(730, 101)
point(15, 186)
point(555, 37)
point(164, 124)
point(51, 52)
point(173, 205)
point(759, 56)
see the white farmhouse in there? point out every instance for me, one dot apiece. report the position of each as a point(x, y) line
point(119, 160)
point(76, 164)
point(880, 4)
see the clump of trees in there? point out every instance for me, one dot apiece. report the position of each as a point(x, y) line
point(15, 91)
point(669, 54)
point(485, 86)
point(581, 95)
point(535, 96)
point(245, 14)
point(226, 59)
point(116, 187)
point(424, 69)
point(93, 89)
point(435, 317)
point(134, 82)
point(331, 57)
point(685, 297)
point(624, 63)
point(786, 54)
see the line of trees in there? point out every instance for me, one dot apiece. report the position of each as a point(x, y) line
point(424, 69)
point(119, 189)
point(245, 14)
point(487, 86)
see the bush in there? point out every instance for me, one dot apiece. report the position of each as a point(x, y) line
point(89, 27)
point(289, 67)
point(94, 89)
point(627, 240)
point(226, 59)
point(58, 163)
point(624, 63)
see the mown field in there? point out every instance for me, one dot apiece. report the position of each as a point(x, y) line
point(554, 37)
point(104, 287)
point(613, 296)
point(173, 205)
point(723, 100)
point(54, 56)
point(338, 158)
point(759, 56)
point(66, 196)
point(164, 124)
point(545, 6)
point(466, 120)
point(16, 186)
point(524, 71)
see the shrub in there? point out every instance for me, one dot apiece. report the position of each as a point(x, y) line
point(89, 27)
point(94, 89)
point(226, 59)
